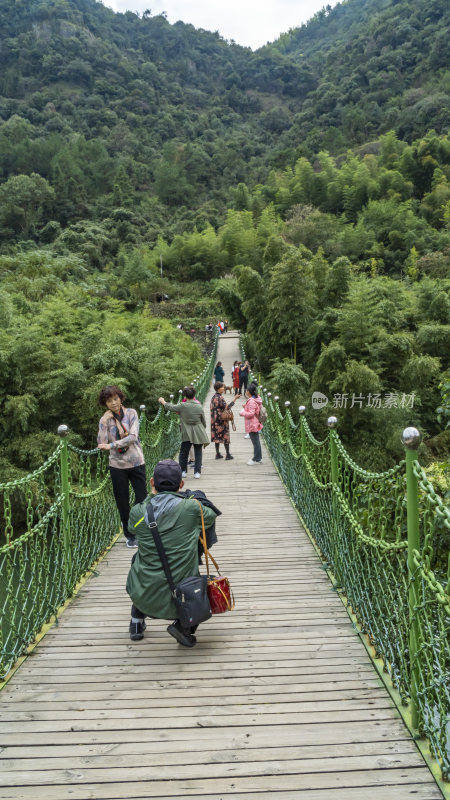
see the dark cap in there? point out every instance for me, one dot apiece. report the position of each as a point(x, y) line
point(167, 476)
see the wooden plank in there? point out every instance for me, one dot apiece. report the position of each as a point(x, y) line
point(242, 735)
point(405, 792)
point(214, 720)
point(208, 755)
point(223, 769)
point(366, 701)
point(387, 777)
point(362, 677)
point(162, 699)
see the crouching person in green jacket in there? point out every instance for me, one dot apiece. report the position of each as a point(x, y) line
point(179, 524)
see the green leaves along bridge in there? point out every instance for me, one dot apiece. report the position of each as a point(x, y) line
point(376, 534)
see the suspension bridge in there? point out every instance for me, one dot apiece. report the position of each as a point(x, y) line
point(340, 621)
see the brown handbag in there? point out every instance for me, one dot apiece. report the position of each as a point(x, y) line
point(220, 593)
point(228, 416)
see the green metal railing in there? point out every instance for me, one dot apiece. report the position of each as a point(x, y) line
point(58, 520)
point(378, 533)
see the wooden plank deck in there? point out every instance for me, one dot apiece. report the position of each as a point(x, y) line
point(278, 700)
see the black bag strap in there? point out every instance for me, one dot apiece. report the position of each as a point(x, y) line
point(159, 546)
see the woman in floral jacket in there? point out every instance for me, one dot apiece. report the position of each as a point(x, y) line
point(220, 429)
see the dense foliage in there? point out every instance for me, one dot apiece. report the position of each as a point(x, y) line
point(63, 337)
point(303, 189)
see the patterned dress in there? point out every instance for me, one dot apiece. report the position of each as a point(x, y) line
point(220, 431)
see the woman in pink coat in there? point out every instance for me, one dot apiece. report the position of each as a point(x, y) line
point(252, 424)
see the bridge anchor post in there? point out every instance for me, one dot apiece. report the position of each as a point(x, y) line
point(63, 430)
point(411, 440)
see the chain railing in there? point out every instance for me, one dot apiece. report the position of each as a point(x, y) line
point(58, 520)
point(379, 534)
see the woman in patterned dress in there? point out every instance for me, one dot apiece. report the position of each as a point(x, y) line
point(220, 430)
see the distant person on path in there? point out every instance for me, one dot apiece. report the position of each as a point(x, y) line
point(220, 429)
point(250, 412)
point(179, 524)
point(221, 326)
point(235, 376)
point(219, 372)
point(225, 326)
point(118, 432)
point(193, 429)
point(244, 370)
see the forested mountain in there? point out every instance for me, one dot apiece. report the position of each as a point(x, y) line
point(115, 110)
point(382, 65)
point(303, 190)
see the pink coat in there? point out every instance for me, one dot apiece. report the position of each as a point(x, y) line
point(251, 413)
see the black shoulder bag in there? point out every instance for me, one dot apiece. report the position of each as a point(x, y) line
point(190, 594)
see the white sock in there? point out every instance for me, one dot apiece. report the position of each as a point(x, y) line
point(136, 619)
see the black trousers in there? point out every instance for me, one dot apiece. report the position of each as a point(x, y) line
point(184, 452)
point(136, 614)
point(121, 478)
point(257, 453)
point(243, 383)
point(135, 611)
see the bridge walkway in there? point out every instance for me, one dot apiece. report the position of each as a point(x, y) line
point(278, 700)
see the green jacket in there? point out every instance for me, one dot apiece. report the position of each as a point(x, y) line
point(192, 419)
point(179, 525)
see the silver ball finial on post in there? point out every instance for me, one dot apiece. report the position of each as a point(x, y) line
point(332, 422)
point(287, 403)
point(302, 409)
point(411, 438)
point(63, 430)
point(142, 407)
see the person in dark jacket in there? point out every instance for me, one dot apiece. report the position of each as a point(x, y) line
point(179, 524)
point(244, 370)
point(219, 372)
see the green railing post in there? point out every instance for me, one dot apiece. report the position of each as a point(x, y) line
point(411, 440)
point(302, 412)
point(287, 423)
point(332, 422)
point(142, 422)
point(63, 430)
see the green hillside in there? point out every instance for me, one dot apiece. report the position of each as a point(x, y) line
point(113, 109)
